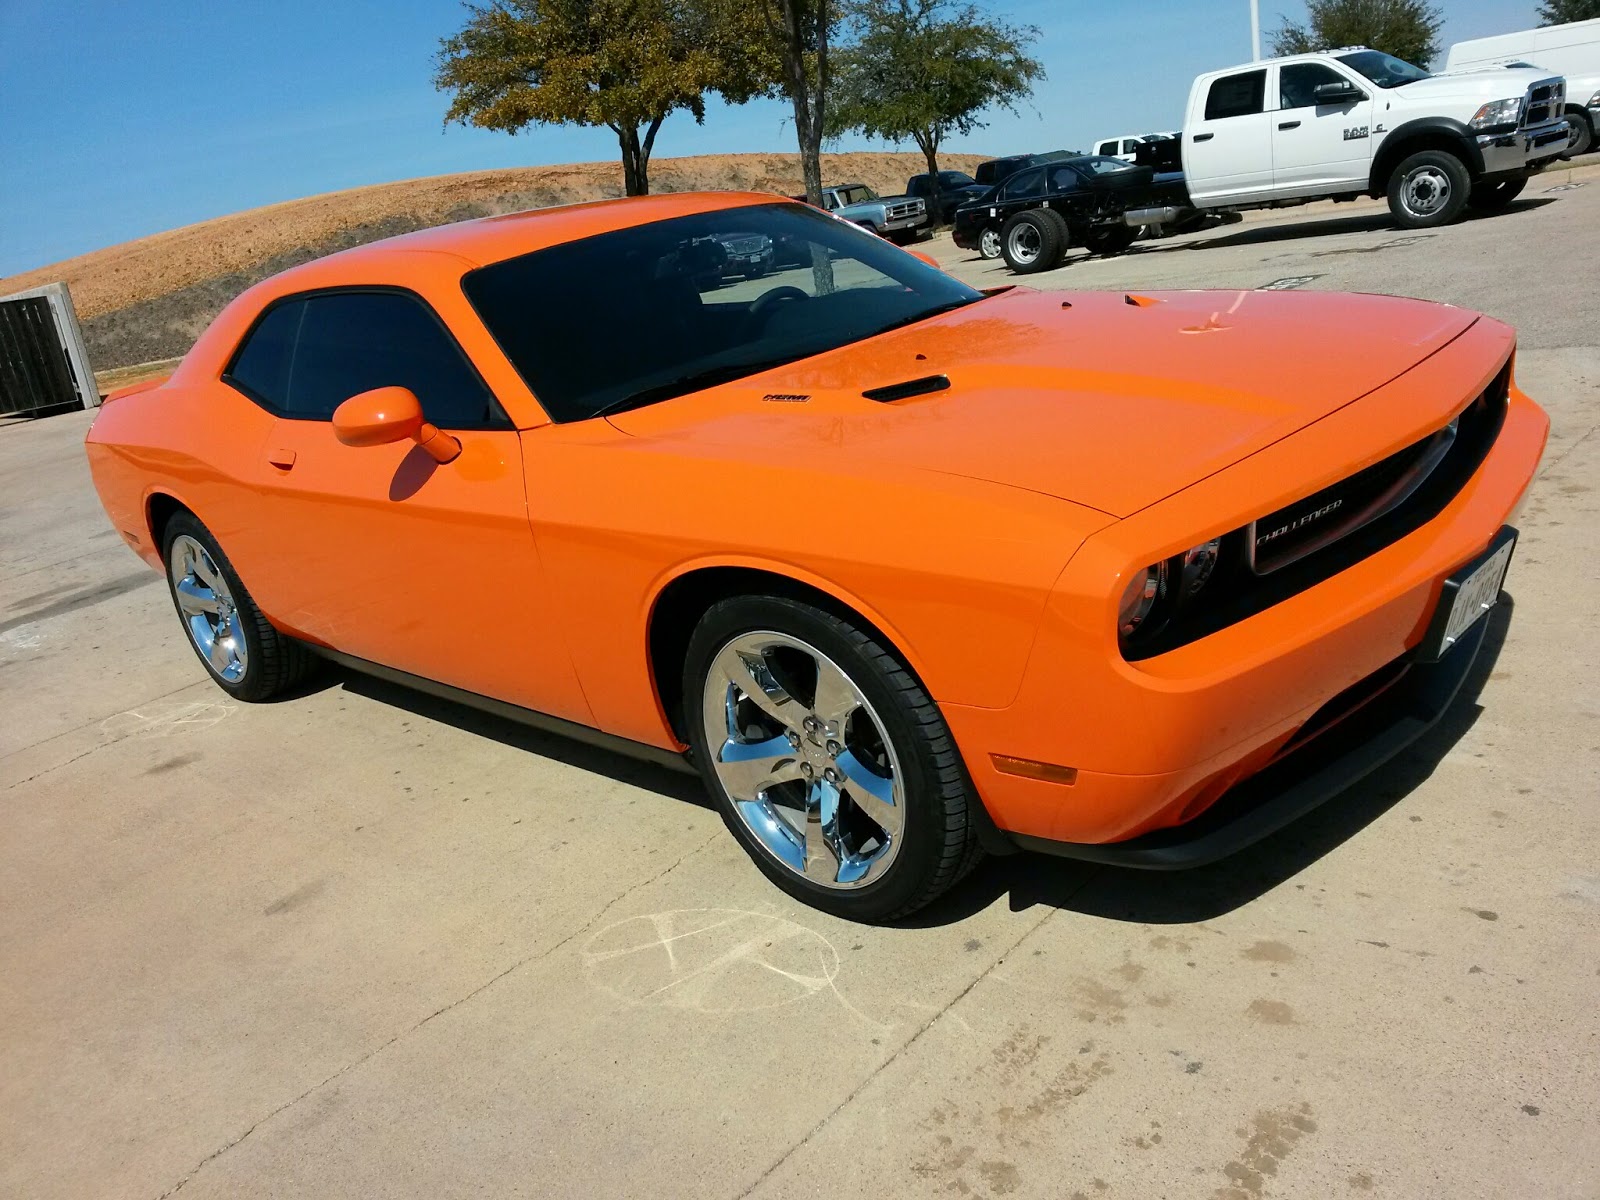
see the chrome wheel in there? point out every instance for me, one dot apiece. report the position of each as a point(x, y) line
point(1425, 191)
point(207, 609)
point(989, 243)
point(1025, 244)
point(804, 759)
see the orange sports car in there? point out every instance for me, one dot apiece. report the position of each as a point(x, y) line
point(908, 571)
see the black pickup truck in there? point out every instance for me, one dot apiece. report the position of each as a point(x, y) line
point(1093, 201)
point(946, 192)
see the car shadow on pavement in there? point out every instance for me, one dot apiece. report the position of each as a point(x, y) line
point(1261, 235)
point(635, 772)
point(1200, 894)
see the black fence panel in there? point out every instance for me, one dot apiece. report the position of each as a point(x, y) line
point(34, 370)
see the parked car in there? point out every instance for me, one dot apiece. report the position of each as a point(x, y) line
point(1037, 214)
point(947, 193)
point(901, 219)
point(1069, 573)
point(1357, 122)
point(750, 255)
point(997, 170)
point(1571, 50)
point(1123, 146)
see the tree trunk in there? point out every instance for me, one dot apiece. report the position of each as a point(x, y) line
point(635, 158)
point(928, 143)
point(809, 98)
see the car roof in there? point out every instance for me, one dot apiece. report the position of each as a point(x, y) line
point(492, 239)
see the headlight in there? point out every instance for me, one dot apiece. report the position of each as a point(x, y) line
point(1594, 101)
point(1198, 564)
point(1140, 596)
point(1499, 112)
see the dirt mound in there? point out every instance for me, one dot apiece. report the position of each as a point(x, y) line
point(150, 298)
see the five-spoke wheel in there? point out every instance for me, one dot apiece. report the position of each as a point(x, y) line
point(206, 605)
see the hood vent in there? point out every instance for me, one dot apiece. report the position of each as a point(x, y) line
point(911, 387)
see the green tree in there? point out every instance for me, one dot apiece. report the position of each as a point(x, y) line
point(1561, 12)
point(791, 50)
point(922, 69)
point(623, 64)
point(1407, 29)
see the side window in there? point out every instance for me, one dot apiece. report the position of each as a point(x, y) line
point(1298, 83)
point(1063, 179)
point(261, 366)
point(1129, 145)
point(1106, 148)
point(352, 342)
point(1024, 185)
point(1236, 95)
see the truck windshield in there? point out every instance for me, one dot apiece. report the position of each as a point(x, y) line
point(1383, 69)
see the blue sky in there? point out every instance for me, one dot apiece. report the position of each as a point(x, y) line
point(120, 119)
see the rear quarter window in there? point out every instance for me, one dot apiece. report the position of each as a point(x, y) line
point(260, 369)
point(1236, 95)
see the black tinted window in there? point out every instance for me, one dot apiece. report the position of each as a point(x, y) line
point(352, 342)
point(1236, 95)
point(1298, 83)
point(261, 367)
point(1024, 184)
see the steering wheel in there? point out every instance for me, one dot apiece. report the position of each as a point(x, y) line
point(763, 304)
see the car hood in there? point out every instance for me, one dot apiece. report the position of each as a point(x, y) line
point(1501, 83)
point(1106, 400)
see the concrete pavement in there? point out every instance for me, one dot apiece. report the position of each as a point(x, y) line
point(361, 942)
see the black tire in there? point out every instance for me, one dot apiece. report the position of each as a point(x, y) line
point(938, 845)
point(1580, 135)
point(1041, 232)
point(1428, 189)
point(756, 272)
point(1494, 197)
point(1107, 240)
point(274, 662)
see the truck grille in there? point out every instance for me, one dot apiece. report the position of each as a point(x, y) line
point(1547, 101)
point(758, 244)
point(904, 208)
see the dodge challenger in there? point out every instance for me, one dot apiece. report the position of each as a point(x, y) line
point(907, 571)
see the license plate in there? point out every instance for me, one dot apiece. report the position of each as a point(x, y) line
point(1468, 595)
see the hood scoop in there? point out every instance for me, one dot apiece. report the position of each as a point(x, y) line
point(907, 389)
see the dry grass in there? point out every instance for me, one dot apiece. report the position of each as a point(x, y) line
point(137, 272)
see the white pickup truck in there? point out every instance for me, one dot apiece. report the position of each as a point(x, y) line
point(1357, 122)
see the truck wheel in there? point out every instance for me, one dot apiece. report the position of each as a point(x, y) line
point(1034, 241)
point(1107, 240)
point(1428, 189)
point(1493, 197)
point(989, 243)
point(1580, 138)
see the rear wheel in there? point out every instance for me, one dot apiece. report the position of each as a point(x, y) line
point(245, 655)
point(1492, 197)
point(1428, 189)
point(989, 243)
point(1110, 239)
point(1034, 241)
point(830, 764)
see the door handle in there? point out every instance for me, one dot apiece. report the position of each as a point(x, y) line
point(1288, 124)
point(1204, 137)
point(281, 458)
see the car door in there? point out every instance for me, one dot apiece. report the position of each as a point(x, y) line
point(381, 552)
point(1227, 154)
point(1319, 147)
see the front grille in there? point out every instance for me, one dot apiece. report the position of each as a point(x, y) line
point(749, 245)
point(1546, 102)
point(910, 208)
point(1390, 499)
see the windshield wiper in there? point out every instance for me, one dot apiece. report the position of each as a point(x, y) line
point(685, 384)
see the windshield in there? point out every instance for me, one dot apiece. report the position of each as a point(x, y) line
point(1383, 69)
point(856, 194)
point(640, 315)
point(957, 179)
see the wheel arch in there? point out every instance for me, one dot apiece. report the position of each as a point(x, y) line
point(683, 599)
point(1425, 133)
point(159, 509)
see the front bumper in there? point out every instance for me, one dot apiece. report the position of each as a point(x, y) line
point(1507, 153)
point(1157, 742)
point(901, 224)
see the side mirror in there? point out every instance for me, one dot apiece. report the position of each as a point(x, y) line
point(390, 414)
point(1337, 93)
point(927, 258)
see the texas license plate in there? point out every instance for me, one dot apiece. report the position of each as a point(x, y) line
point(1468, 595)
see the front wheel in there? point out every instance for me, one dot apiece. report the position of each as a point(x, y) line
point(989, 243)
point(1428, 189)
point(1034, 240)
point(244, 654)
point(1580, 138)
point(1107, 240)
point(830, 764)
point(1493, 197)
